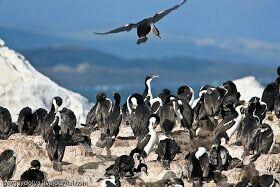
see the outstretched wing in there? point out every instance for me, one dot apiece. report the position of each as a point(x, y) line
point(126, 27)
point(158, 16)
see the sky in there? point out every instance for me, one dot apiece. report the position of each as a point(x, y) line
point(248, 27)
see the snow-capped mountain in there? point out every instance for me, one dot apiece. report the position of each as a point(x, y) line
point(21, 85)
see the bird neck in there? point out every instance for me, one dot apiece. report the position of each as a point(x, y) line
point(148, 91)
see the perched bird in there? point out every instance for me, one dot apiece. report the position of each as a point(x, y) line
point(137, 172)
point(33, 174)
point(148, 143)
point(5, 124)
point(167, 114)
point(262, 141)
point(111, 181)
point(30, 122)
point(257, 108)
point(49, 119)
point(227, 128)
point(67, 121)
point(220, 159)
point(167, 150)
point(198, 165)
point(124, 164)
point(212, 103)
point(7, 164)
point(145, 26)
point(110, 129)
point(147, 95)
point(99, 111)
point(56, 145)
point(269, 95)
point(139, 113)
point(186, 93)
point(277, 104)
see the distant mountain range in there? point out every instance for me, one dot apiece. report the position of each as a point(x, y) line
point(88, 70)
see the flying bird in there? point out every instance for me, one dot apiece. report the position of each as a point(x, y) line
point(145, 26)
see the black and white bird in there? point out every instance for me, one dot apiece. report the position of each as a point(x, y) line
point(8, 161)
point(212, 103)
point(262, 141)
point(67, 121)
point(139, 113)
point(111, 181)
point(148, 143)
point(184, 114)
point(5, 123)
point(112, 126)
point(167, 149)
point(138, 171)
point(227, 128)
point(33, 174)
point(186, 93)
point(147, 95)
point(257, 108)
point(49, 119)
point(56, 145)
point(220, 159)
point(198, 165)
point(124, 164)
point(145, 26)
point(167, 114)
point(99, 111)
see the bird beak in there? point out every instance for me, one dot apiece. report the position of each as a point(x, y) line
point(147, 173)
point(155, 76)
point(159, 36)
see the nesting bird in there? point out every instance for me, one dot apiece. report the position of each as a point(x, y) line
point(145, 26)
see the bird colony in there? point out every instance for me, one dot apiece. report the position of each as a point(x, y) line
point(144, 140)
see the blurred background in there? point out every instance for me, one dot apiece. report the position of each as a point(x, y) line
point(203, 42)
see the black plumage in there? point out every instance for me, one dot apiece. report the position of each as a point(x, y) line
point(269, 95)
point(198, 165)
point(31, 123)
point(257, 108)
point(140, 113)
point(144, 26)
point(56, 145)
point(277, 105)
point(262, 141)
point(110, 129)
point(5, 124)
point(186, 93)
point(7, 164)
point(167, 114)
point(67, 122)
point(167, 150)
point(33, 174)
point(99, 111)
point(49, 119)
point(124, 164)
point(185, 115)
point(212, 103)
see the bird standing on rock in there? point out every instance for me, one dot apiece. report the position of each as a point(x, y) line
point(33, 174)
point(8, 161)
point(145, 26)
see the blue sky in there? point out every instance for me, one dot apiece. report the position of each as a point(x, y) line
point(248, 27)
